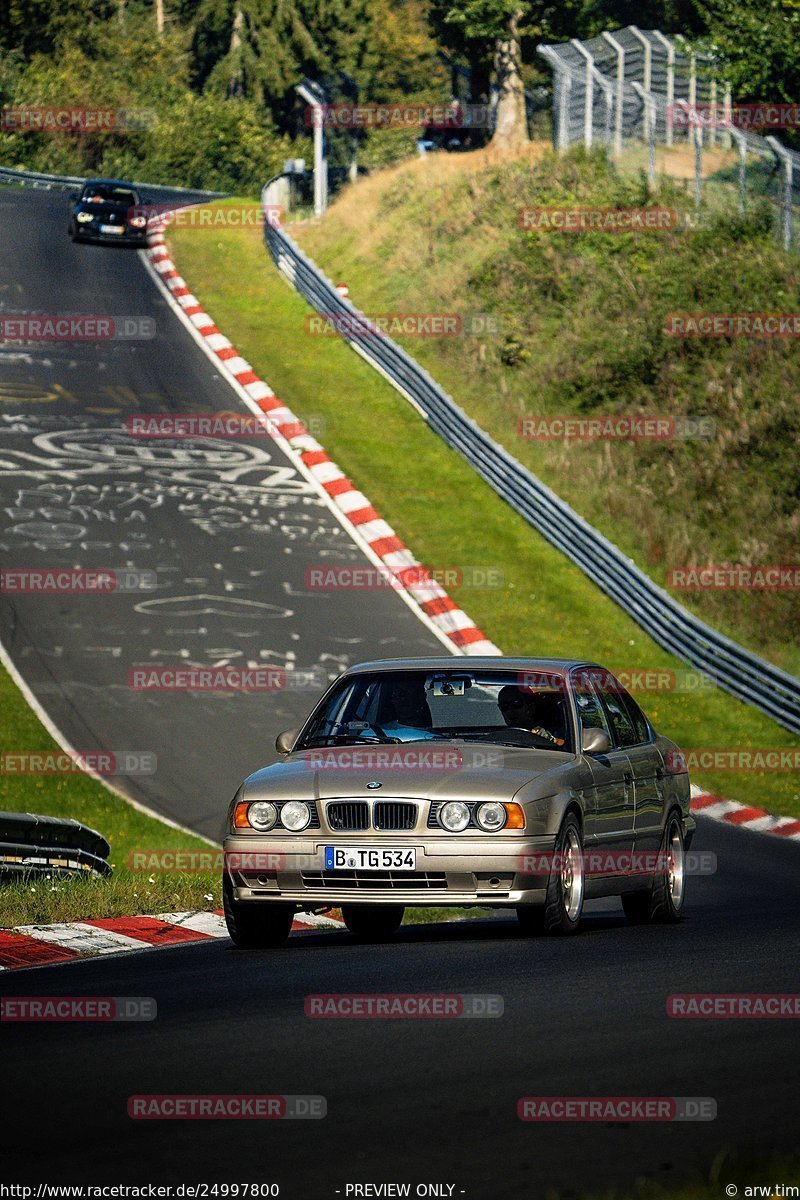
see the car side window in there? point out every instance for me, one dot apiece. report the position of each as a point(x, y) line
point(624, 730)
point(590, 710)
point(639, 721)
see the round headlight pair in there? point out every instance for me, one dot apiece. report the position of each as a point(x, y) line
point(138, 222)
point(454, 816)
point(83, 217)
point(295, 815)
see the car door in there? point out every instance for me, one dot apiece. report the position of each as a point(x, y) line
point(649, 778)
point(610, 818)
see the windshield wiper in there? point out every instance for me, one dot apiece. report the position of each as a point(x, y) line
point(350, 738)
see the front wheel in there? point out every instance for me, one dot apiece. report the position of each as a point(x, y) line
point(256, 924)
point(373, 922)
point(663, 902)
point(561, 913)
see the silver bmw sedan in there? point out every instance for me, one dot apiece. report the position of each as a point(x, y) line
point(530, 784)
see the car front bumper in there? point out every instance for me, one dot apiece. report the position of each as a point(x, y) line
point(447, 872)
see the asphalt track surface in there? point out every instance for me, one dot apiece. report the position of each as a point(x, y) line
point(408, 1101)
point(229, 527)
point(426, 1100)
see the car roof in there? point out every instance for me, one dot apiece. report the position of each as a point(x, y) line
point(111, 183)
point(557, 666)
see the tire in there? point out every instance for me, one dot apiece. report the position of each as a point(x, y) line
point(560, 915)
point(256, 924)
point(662, 903)
point(373, 922)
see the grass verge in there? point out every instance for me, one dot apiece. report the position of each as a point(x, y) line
point(581, 330)
point(450, 517)
point(128, 891)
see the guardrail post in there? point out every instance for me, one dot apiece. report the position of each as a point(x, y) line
point(783, 156)
point(588, 101)
point(620, 99)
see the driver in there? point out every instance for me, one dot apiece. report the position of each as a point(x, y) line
point(533, 711)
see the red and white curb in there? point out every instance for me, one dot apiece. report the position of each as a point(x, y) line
point(707, 804)
point(430, 600)
point(36, 945)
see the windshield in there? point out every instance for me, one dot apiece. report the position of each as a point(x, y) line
point(100, 193)
point(504, 707)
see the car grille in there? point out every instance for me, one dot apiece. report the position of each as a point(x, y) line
point(348, 814)
point(394, 814)
point(389, 881)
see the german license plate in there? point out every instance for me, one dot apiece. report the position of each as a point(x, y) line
point(369, 858)
point(112, 228)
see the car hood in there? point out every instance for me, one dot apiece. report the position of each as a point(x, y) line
point(435, 770)
point(119, 211)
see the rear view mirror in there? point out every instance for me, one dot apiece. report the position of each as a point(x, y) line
point(595, 741)
point(286, 740)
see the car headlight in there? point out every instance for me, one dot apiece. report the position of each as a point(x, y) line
point(138, 222)
point(491, 816)
point(262, 815)
point(454, 816)
point(295, 815)
point(83, 217)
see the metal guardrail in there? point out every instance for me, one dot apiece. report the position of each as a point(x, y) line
point(63, 183)
point(34, 845)
point(734, 668)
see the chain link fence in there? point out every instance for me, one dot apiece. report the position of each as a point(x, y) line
point(655, 103)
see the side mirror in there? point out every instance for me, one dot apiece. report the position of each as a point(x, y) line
point(595, 741)
point(286, 740)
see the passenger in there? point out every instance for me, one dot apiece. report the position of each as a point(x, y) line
point(406, 712)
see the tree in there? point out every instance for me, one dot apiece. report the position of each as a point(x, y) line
point(759, 46)
point(498, 28)
point(260, 48)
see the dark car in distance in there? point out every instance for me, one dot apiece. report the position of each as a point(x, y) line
point(108, 210)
